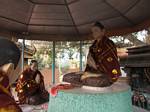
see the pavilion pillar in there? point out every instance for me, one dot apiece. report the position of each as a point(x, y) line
point(53, 63)
point(81, 64)
point(23, 47)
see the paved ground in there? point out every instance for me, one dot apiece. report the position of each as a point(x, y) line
point(136, 109)
point(44, 107)
point(39, 108)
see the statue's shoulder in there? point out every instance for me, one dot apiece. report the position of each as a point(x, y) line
point(110, 42)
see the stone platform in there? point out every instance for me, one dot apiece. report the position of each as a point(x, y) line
point(116, 98)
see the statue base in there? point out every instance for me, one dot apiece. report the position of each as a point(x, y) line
point(116, 98)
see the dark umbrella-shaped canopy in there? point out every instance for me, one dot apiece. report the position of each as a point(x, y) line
point(71, 19)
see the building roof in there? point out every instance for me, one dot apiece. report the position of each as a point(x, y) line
point(71, 19)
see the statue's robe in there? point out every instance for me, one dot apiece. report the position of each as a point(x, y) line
point(9, 58)
point(29, 90)
point(104, 54)
point(7, 102)
point(106, 69)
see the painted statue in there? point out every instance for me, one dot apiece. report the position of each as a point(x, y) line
point(9, 58)
point(102, 68)
point(30, 86)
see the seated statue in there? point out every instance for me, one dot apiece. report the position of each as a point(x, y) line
point(30, 86)
point(102, 68)
point(9, 58)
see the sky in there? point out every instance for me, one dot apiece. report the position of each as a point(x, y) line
point(141, 35)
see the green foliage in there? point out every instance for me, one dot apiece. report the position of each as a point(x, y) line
point(61, 49)
point(39, 56)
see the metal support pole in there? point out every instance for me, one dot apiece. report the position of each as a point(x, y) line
point(53, 63)
point(81, 56)
point(23, 46)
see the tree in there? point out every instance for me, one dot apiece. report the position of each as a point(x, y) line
point(128, 40)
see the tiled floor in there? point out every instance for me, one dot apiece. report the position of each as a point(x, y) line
point(31, 108)
point(136, 109)
point(43, 108)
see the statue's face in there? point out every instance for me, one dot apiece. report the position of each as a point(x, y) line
point(9, 59)
point(12, 73)
point(34, 66)
point(7, 69)
point(97, 32)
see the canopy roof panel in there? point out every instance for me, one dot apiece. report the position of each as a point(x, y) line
point(72, 19)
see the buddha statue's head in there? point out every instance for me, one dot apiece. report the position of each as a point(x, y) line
point(9, 59)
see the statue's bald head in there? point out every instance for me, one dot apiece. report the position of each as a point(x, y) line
point(9, 52)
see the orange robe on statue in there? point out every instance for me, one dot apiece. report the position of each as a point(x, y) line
point(7, 103)
point(102, 67)
point(104, 54)
point(29, 91)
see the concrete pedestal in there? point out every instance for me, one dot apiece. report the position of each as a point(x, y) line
point(116, 98)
